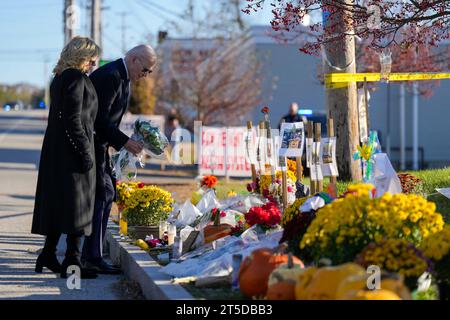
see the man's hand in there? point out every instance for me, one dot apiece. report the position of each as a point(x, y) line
point(133, 146)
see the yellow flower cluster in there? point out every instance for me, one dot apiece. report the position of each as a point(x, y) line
point(124, 191)
point(395, 255)
point(143, 197)
point(361, 189)
point(437, 245)
point(266, 179)
point(292, 211)
point(356, 220)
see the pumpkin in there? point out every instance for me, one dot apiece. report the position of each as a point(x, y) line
point(381, 294)
point(391, 282)
point(256, 268)
point(325, 281)
point(303, 281)
point(284, 290)
point(282, 280)
point(285, 273)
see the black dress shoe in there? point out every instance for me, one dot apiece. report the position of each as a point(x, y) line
point(102, 267)
point(85, 273)
point(49, 261)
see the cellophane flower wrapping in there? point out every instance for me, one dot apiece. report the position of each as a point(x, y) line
point(125, 164)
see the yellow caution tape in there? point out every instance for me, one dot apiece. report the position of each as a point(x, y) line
point(341, 80)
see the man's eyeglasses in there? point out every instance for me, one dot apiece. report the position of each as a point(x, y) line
point(145, 71)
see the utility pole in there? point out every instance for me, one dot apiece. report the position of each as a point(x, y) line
point(124, 30)
point(415, 119)
point(402, 127)
point(70, 17)
point(96, 22)
point(342, 103)
point(46, 82)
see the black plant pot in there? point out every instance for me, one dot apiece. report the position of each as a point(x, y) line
point(140, 232)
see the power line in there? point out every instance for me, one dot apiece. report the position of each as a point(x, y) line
point(146, 6)
point(138, 16)
point(151, 3)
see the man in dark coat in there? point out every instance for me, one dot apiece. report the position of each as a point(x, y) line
point(292, 116)
point(112, 83)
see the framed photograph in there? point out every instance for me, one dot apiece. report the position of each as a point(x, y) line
point(329, 164)
point(292, 139)
point(316, 161)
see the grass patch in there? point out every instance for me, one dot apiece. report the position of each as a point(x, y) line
point(432, 179)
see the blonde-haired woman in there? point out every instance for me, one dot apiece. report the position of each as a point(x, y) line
point(65, 190)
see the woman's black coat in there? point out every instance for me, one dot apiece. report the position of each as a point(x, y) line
point(65, 190)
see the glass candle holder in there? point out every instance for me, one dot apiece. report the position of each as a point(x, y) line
point(171, 233)
point(163, 227)
point(123, 225)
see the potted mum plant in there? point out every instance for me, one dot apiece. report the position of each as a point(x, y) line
point(145, 208)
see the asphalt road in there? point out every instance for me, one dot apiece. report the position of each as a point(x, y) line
point(21, 135)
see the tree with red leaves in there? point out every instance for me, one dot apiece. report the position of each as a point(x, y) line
point(379, 22)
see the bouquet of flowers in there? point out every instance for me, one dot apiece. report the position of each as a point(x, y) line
point(267, 216)
point(396, 255)
point(273, 191)
point(437, 248)
point(124, 163)
point(155, 142)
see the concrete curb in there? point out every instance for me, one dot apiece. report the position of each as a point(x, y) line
point(139, 266)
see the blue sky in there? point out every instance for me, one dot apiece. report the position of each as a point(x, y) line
point(31, 31)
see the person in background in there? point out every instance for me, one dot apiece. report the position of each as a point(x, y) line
point(292, 116)
point(172, 124)
point(112, 83)
point(64, 201)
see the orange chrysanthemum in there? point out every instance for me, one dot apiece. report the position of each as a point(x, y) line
point(209, 181)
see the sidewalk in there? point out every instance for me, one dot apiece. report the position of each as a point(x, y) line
point(20, 143)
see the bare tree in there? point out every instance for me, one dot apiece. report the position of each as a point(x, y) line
point(219, 86)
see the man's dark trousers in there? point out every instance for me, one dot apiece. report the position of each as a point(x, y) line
point(93, 244)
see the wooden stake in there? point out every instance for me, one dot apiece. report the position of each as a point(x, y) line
point(262, 170)
point(333, 179)
point(249, 127)
point(310, 134)
point(317, 134)
point(283, 165)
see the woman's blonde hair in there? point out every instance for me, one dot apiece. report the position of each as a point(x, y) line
point(76, 53)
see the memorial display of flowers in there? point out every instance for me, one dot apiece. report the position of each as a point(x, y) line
point(295, 224)
point(437, 248)
point(344, 227)
point(273, 190)
point(396, 255)
point(267, 216)
point(147, 206)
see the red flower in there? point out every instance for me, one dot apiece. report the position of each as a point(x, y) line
point(141, 185)
point(209, 181)
point(265, 110)
point(268, 215)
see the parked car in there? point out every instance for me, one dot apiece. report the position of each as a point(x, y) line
point(13, 106)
